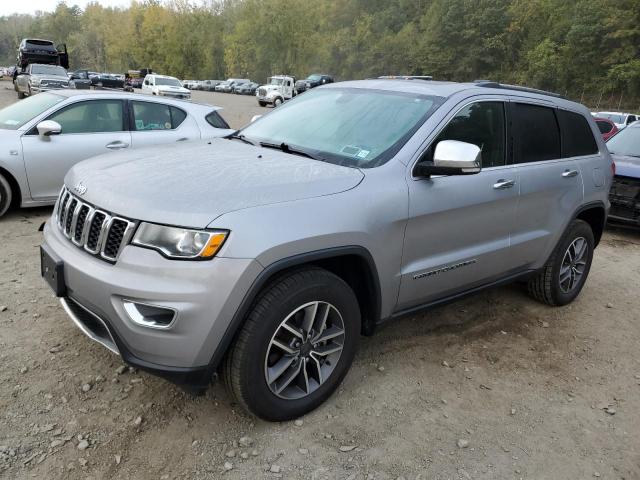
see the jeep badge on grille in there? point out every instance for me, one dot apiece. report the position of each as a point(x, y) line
point(80, 189)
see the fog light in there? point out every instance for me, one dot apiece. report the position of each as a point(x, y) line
point(150, 316)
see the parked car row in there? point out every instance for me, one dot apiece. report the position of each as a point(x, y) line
point(278, 88)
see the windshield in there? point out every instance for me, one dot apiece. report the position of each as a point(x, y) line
point(612, 116)
point(172, 82)
point(276, 81)
point(314, 78)
point(48, 70)
point(16, 115)
point(627, 142)
point(346, 126)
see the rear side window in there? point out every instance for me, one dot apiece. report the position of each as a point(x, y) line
point(604, 127)
point(215, 120)
point(577, 137)
point(156, 116)
point(536, 133)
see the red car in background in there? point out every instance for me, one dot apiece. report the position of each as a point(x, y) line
point(607, 128)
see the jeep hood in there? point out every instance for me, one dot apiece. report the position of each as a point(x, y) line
point(627, 166)
point(191, 184)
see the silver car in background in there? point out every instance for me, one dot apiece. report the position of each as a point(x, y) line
point(43, 136)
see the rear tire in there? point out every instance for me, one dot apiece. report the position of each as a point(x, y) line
point(282, 383)
point(562, 278)
point(6, 195)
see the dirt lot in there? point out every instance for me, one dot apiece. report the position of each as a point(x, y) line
point(493, 387)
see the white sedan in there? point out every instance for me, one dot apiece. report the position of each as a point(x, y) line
point(42, 137)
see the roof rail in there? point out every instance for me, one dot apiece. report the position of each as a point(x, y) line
point(406, 77)
point(518, 88)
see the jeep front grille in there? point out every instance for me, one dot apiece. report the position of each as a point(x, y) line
point(98, 232)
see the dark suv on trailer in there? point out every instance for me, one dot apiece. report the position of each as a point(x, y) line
point(266, 255)
point(33, 50)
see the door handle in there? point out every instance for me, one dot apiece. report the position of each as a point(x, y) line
point(182, 139)
point(503, 184)
point(117, 145)
point(569, 173)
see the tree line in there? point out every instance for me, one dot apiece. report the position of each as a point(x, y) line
point(588, 50)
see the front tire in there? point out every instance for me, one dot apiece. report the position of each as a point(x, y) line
point(277, 102)
point(262, 104)
point(296, 346)
point(6, 195)
point(562, 278)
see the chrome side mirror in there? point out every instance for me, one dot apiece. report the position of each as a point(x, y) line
point(48, 128)
point(452, 157)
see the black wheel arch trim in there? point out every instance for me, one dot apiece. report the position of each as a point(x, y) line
point(576, 214)
point(282, 265)
point(590, 206)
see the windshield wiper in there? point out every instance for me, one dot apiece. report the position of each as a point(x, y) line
point(240, 137)
point(287, 149)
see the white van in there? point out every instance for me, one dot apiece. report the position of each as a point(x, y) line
point(165, 86)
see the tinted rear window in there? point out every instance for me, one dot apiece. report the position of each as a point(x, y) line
point(537, 136)
point(40, 42)
point(577, 137)
point(604, 127)
point(216, 121)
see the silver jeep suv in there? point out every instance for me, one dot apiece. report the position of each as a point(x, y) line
point(265, 255)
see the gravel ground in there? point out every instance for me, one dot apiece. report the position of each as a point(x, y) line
point(496, 386)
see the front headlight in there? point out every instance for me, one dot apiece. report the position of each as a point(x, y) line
point(180, 243)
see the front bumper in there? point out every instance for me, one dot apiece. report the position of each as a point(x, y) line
point(205, 295)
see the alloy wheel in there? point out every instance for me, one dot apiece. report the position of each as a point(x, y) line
point(573, 265)
point(304, 350)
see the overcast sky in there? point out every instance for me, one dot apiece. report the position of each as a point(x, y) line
point(7, 7)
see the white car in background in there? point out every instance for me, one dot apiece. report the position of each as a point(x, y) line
point(43, 136)
point(621, 119)
point(165, 86)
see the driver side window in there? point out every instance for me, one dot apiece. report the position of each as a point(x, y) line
point(483, 125)
point(93, 116)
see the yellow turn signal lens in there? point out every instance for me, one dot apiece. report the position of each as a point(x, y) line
point(213, 245)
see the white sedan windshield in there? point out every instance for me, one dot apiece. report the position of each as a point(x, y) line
point(172, 82)
point(16, 115)
point(347, 126)
point(48, 70)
